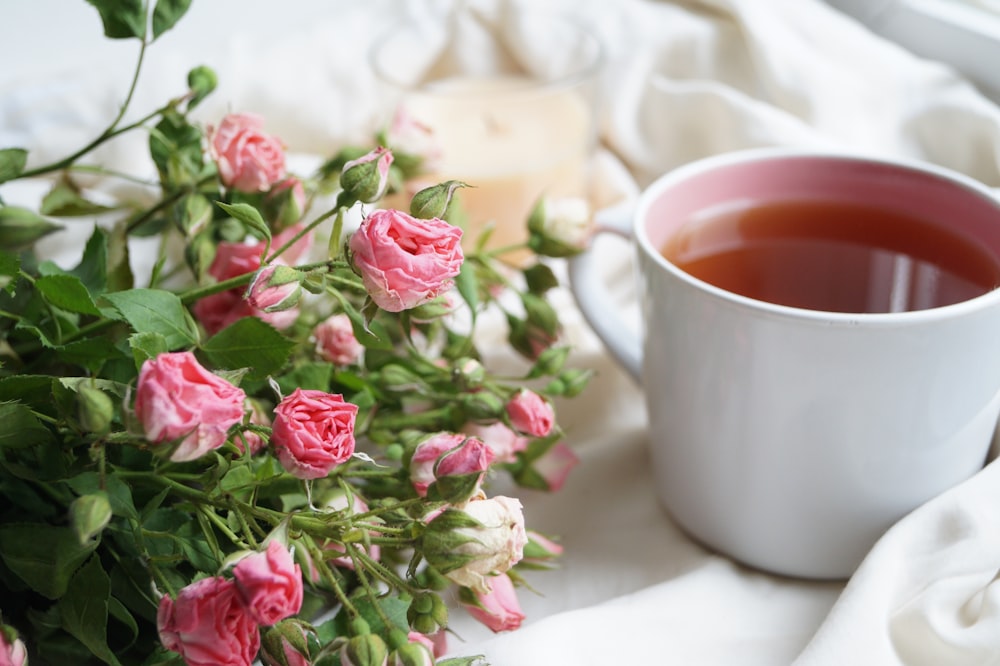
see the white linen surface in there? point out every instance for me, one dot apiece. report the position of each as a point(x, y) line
point(683, 80)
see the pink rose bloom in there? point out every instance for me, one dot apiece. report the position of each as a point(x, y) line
point(499, 608)
point(555, 465)
point(530, 413)
point(218, 311)
point(404, 261)
point(178, 399)
point(313, 432)
point(270, 584)
point(248, 159)
point(504, 442)
point(335, 341)
point(208, 625)
point(447, 454)
point(12, 649)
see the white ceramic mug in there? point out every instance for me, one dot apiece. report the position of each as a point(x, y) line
point(791, 439)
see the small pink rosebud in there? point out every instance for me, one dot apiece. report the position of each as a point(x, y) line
point(497, 608)
point(555, 465)
point(258, 416)
point(367, 177)
point(446, 455)
point(504, 442)
point(286, 644)
point(530, 414)
point(275, 288)
point(335, 341)
point(12, 649)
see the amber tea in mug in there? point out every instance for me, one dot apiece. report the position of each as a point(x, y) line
point(818, 349)
point(834, 256)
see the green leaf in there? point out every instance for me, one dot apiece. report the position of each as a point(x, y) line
point(10, 266)
point(90, 353)
point(64, 199)
point(93, 267)
point(468, 286)
point(249, 216)
point(175, 146)
point(146, 346)
point(20, 227)
point(167, 14)
point(156, 311)
point(122, 19)
point(67, 292)
point(43, 556)
point(249, 342)
point(21, 429)
point(84, 609)
point(12, 161)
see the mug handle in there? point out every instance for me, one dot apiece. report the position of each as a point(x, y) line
point(594, 299)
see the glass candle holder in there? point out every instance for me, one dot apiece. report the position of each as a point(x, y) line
point(508, 104)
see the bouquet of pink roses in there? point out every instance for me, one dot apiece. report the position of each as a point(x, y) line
point(265, 448)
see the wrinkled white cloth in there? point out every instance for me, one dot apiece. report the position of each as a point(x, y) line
point(683, 80)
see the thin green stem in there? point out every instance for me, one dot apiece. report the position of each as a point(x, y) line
point(294, 239)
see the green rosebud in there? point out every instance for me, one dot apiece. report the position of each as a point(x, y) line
point(94, 409)
point(364, 650)
point(435, 201)
point(14, 649)
point(89, 515)
point(560, 227)
point(481, 405)
point(20, 228)
point(365, 179)
point(412, 654)
point(201, 81)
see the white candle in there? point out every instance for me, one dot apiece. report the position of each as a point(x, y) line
point(512, 140)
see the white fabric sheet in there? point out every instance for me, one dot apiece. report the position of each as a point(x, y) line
point(683, 80)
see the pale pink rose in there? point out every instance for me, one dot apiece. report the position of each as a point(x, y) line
point(313, 432)
point(447, 454)
point(404, 261)
point(504, 442)
point(530, 413)
point(499, 608)
point(495, 545)
point(555, 465)
point(12, 649)
point(335, 341)
point(341, 502)
point(258, 416)
point(208, 625)
point(368, 176)
point(179, 400)
point(248, 159)
point(270, 584)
